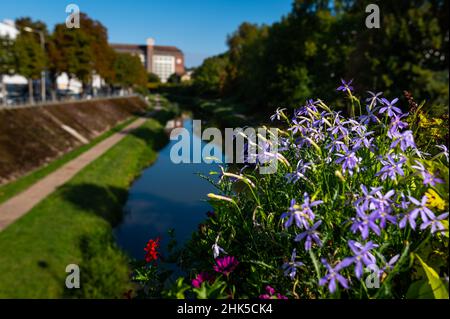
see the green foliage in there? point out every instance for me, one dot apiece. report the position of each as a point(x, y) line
point(81, 51)
point(318, 42)
point(7, 58)
point(438, 288)
point(251, 210)
point(153, 78)
point(30, 58)
point(74, 224)
point(210, 77)
point(129, 70)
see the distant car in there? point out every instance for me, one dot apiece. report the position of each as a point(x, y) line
point(67, 95)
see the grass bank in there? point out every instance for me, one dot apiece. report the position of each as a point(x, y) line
point(9, 190)
point(73, 226)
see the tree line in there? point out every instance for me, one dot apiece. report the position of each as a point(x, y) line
point(81, 53)
point(320, 41)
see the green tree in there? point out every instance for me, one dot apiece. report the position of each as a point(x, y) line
point(7, 62)
point(153, 78)
point(210, 78)
point(82, 52)
point(129, 71)
point(305, 54)
point(30, 59)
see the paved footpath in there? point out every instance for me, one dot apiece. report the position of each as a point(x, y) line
point(20, 204)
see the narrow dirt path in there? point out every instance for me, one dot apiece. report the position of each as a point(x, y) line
point(20, 204)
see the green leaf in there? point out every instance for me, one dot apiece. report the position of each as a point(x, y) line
point(436, 284)
point(214, 291)
point(420, 289)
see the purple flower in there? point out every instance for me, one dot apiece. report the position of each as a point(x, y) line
point(444, 150)
point(345, 86)
point(421, 208)
point(404, 203)
point(335, 145)
point(391, 168)
point(321, 120)
point(311, 234)
point(362, 140)
point(362, 255)
point(435, 223)
point(296, 127)
point(349, 161)
point(277, 115)
point(225, 265)
point(271, 294)
point(333, 276)
point(389, 107)
point(202, 277)
point(338, 127)
point(410, 218)
point(290, 267)
point(368, 199)
point(383, 202)
point(396, 125)
point(374, 98)
point(217, 250)
point(389, 265)
point(363, 223)
point(299, 172)
point(369, 117)
point(428, 178)
point(302, 215)
point(405, 139)
point(311, 106)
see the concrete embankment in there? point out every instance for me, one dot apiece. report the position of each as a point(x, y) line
point(33, 136)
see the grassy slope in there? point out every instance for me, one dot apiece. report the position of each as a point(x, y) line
point(73, 225)
point(9, 190)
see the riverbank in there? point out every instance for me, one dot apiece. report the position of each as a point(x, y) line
point(31, 137)
point(74, 226)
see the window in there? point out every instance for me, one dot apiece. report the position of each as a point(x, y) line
point(163, 66)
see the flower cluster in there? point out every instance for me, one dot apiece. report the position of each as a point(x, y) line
point(151, 250)
point(271, 294)
point(354, 194)
point(383, 152)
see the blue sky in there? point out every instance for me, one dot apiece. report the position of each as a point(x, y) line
point(198, 27)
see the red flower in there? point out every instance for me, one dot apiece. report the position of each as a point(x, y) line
point(152, 254)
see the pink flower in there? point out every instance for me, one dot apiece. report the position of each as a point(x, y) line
point(270, 290)
point(271, 294)
point(225, 265)
point(202, 277)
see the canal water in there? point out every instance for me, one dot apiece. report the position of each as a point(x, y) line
point(166, 196)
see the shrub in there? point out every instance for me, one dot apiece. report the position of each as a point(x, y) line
point(355, 210)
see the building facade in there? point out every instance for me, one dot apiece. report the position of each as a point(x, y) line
point(161, 60)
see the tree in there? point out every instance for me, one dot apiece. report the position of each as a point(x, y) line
point(7, 62)
point(153, 78)
point(320, 41)
point(174, 78)
point(82, 52)
point(30, 59)
point(210, 78)
point(129, 71)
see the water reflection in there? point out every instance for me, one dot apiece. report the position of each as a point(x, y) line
point(165, 196)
